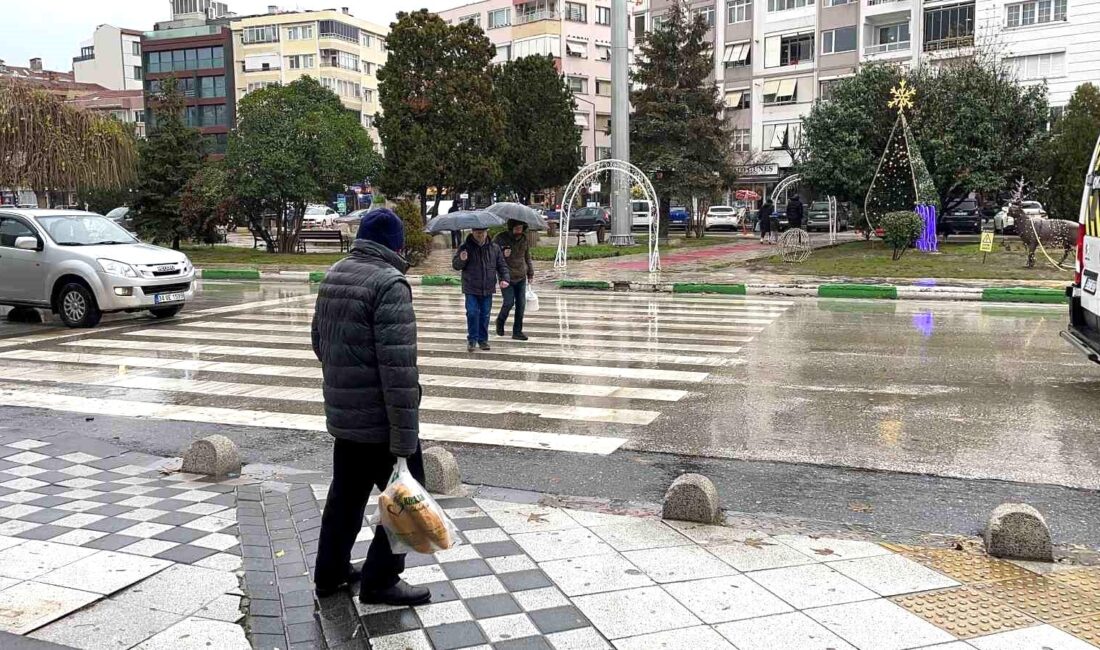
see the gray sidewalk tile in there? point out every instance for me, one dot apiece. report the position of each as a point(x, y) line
point(107, 624)
point(730, 598)
point(794, 631)
point(879, 624)
point(696, 638)
point(632, 612)
point(813, 585)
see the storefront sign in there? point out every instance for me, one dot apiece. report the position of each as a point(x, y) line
point(763, 171)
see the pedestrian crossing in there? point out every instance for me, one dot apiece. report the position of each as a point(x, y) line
point(598, 368)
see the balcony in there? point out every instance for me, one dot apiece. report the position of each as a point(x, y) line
point(942, 44)
point(884, 48)
point(875, 3)
point(535, 16)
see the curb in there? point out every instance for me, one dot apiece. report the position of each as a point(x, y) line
point(312, 277)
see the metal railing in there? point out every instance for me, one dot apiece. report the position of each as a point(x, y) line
point(886, 47)
point(949, 43)
point(535, 16)
point(872, 3)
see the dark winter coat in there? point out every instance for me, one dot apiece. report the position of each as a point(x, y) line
point(794, 212)
point(517, 254)
point(764, 218)
point(483, 268)
point(364, 333)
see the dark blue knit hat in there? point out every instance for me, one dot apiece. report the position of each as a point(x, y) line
point(384, 227)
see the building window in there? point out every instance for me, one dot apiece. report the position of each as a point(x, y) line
point(260, 34)
point(738, 11)
point(576, 12)
point(500, 18)
point(888, 38)
point(139, 116)
point(603, 53)
point(603, 153)
point(473, 19)
point(337, 29)
point(603, 123)
point(783, 136)
point(1056, 113)
point(87, 52)
point(339, 59)
point(788, 50)
point(738, 100)
point(137, 72)
point(827, 88)
point(603, 87)
point(949, 27)
point(1038, 66)
point(584, 153)
point(299, 32)
point(603, 15)
point(300, 61)
point(579, 85)
point(368, 94)
point(259, 85)
point(135, 48)
point(835, 41)
point(576, 50)
point(659, 21)
point(504, 54)
point(737, 55)
point(581, 120)
point(783, 5)
point(212, 86)
point(837, 3)
point(368, 41)
point(1036, 12)
point(742, 140)
point(707, 13)
point(540, 45)
point(780, 91)
point(639, 25)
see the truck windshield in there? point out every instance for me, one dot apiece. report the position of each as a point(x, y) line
point(84, 230)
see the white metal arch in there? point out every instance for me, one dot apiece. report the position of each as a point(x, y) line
point(582, 177)
point(786, 183)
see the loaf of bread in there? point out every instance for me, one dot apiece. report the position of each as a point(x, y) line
point(410, 517)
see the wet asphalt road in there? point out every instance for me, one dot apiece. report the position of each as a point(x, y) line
point(901, 417)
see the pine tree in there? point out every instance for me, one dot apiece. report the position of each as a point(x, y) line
point(1070, 151)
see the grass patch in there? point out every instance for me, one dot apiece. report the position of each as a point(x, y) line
point(546, 253)
point(872, 260)
point(212, 256)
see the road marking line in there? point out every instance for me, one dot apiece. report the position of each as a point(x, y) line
point(452, 306)
point(55, 401)
point(594, 320)
point(314, 372)
point(314, 395)
point(621, 297)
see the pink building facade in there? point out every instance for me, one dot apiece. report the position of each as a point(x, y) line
point(577, 34)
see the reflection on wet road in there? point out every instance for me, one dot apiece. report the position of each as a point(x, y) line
point(956, 389)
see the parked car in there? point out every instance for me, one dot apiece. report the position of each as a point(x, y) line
point(350, 219)
point(1005, 224)
point(589, 219)
point(122, 217)
point(963, 217)
point(639, 214)
point(678, 217)
point(81, 265)
point(723, 216)
point(319, 216)
point(817, 216)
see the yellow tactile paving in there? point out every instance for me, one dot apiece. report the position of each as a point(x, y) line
point(1087, 580)
point(964, 612)
point(1042, 598)
point(966, 567)
point(1086, 628)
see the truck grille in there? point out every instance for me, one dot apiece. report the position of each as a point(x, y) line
point(180, 287)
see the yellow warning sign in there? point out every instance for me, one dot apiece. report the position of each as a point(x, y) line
point(987, 242)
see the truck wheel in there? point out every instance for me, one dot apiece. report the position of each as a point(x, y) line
point(77, 306)
point(166, 312)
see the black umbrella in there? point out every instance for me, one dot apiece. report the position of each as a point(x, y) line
point(519, 212)
point(464, 220)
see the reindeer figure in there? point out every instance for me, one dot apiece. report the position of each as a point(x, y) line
point(1051, 233)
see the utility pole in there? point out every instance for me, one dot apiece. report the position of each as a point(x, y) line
point(621, 221)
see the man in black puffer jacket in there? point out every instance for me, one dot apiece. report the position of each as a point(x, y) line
point(364, 333)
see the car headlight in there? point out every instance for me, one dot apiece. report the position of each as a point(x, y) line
point(111, 267)
point(187, 265)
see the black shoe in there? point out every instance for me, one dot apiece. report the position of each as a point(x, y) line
point(484, 345)
point(500, 327)
point(520, 337)
point(401, 594)
point(354, 575)
point(470, 347)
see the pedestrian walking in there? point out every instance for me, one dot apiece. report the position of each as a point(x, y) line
point(764, 218)
point(517, 255)
point(456, 235)
point(794, 212)
point(483, 269)
point(364, 334)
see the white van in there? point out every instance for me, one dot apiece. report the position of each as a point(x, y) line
point(1084, 302)
point(639, 214)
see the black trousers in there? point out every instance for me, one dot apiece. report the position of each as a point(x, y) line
point(356, 468)
point(456, 238)
point(515, 294)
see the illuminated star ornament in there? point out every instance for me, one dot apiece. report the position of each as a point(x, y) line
point(902, 95)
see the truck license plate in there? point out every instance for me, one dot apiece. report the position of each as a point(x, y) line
point(167, 297)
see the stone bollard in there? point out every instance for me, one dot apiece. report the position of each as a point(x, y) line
point(215, 455)
point(441, 471)
point(1018, 531)
point(692, 497)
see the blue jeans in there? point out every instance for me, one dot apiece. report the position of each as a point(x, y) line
point(477, 318)
point(514, 295)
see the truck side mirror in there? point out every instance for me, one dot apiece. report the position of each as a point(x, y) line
point(27, 244)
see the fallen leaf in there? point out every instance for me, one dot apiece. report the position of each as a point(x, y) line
point(756, 542)
point(537, 518)
point(824, 551)
point(856, 506)
point(280, 553)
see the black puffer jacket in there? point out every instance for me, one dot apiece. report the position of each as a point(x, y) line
point(483, 267)
point(364, 333)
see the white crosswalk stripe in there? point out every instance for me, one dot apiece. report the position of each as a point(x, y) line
point(598, 365)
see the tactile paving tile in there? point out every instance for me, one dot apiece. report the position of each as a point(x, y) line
point(1086, 628)
point(964, 612)
point(966, 567)
point(1087, 580)
point(1042, 598)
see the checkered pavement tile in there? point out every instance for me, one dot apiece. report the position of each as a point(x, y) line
point(485, 592)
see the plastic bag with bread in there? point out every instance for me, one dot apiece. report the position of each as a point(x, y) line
point(413, 521)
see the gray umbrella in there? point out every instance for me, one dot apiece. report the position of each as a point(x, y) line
point(519, 212)
point(464, 220)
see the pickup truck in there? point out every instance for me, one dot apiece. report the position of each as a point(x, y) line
point(1084, 302)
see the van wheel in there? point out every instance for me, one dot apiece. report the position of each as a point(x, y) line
point(77, 306)
point(166, 312)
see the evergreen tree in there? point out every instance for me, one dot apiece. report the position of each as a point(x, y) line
point(542, 139)
point(677, 134)
point(1067, 158)
point(167, 159)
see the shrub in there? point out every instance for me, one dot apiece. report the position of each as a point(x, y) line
point(900, 230)
point(418, 243)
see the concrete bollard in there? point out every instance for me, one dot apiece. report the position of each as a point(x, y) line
point(692, 497)
point(441, 471)
point(1018, 531)
point(215, 455)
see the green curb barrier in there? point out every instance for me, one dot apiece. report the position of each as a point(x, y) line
point(729, 289)
point(584, 284)
point(440, 281)
point(316, 276)
point(886, 291)
point(230, 274)
point(1023, 294)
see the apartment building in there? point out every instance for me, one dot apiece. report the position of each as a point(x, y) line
point(111, 58)
point(341, 51)
point(774, 58)
point(577, 34)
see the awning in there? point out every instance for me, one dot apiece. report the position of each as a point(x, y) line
point(771, 87)
point(576, 49)
point(736, 53)
point(786, 91)
point(581, 120)
point(733, 98)
point(603, 52)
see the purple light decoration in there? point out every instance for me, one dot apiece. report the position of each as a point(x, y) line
point(924, 323)
point(927, 241)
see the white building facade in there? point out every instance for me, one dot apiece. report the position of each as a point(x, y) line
point(111, 58)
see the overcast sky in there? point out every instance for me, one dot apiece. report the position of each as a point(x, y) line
point(53, 29)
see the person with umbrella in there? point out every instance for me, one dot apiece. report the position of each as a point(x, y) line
point(483, 269)
point(517, 253)
point(456, 235)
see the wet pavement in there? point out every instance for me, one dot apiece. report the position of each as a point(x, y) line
point(617, 392)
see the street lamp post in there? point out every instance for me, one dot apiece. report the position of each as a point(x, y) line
point(621, 225)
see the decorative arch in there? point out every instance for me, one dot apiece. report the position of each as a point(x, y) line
point(784, 184)
point(582, 177)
